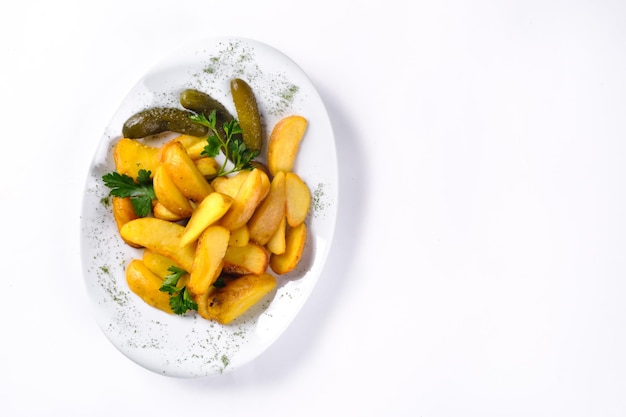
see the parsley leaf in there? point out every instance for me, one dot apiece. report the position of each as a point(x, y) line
point(212, 149)
point(232, 146)
point(171, 281)
point(141, 192)
point(180, 299)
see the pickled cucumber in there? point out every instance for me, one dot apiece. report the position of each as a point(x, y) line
point(202, 103)
point(162, 119)
point(248, 113)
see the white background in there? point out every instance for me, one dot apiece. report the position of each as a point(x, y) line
point(479, 263)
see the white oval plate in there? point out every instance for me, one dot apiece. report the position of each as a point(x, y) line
point(190, 346)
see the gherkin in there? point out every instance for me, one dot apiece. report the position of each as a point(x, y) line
point(161, 119)
point(248, 113)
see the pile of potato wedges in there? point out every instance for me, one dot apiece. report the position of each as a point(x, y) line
point(243, 229)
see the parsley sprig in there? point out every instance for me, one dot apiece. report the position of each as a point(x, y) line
point(141, 192)
point(232, 146)
point(180, 299)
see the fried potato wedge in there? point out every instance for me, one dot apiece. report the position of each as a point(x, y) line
point(208, 264)
point(194, 145)
point(245, 202)
point(295, 242)
point(157, 263)
point(131, 155)
point(239, 294)
point(284, 143)
point(230, 185)
point(161, 212)
point(162, 237)
point(249, 259)
point(298, 200)
point(145, 283)
point(168, 194)
point(278, 242)
point(239, 236)
point(268, 215)
point(265, 183)
point(262, 166)
point(183, 172)
point(209, 211)
point(123, 212)
point(208, 167)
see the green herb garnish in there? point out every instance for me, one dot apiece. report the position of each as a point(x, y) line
point(219, 282)
point(141, 192)
point(232, 146)
point(180, 299)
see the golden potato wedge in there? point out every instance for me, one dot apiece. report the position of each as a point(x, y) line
point(249, 259)
point(161, 212)
point(145, 283)
point(208, 263)
point(157, 263)
point(162, 237)
point(245, 201)
point(230, 185)
point(168, 194)
point(278, 242)
point(260, 165)
point(239, 236)
point(239, 294)
point(201, 301)
point(193, 145)
point(123, 212)
point(284, 143)
point(209, 211)
point(270, 212)
point(183, 172)
point(298, 199)
point(131, 155)
point(208, 167)
point(265, 183)
point(296, 240)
